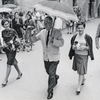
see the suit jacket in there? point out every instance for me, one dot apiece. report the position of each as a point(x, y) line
point(51, 52)
point(88, 42)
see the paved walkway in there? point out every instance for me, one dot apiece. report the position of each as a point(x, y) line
point(33, 84)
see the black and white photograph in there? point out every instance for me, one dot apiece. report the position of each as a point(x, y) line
point(49, 49)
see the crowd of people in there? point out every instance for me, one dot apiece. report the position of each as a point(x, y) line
point(19, 32)
point(25, 24)
point(26, 31)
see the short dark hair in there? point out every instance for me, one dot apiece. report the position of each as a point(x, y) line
point(49, 17)
point(20, 13)
point(81, 23)
point(3, 22)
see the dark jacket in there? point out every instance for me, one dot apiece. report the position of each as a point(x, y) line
point(89, 43)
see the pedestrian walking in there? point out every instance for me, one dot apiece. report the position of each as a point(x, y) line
point(97, 37)
point(81, 48)
point(10, 45)
point(52, 40)
point(29, 26)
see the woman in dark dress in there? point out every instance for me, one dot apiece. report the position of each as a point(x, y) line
point(10, 45)
point(81, 48)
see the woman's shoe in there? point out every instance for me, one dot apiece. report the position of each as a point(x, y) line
point(3, 85)
point(50, 95)
point(77, 92)
point(19, 76)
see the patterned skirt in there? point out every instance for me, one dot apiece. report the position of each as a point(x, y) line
point(80, 64)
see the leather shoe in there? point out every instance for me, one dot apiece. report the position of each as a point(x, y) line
point(57, 77)
point(4, 84)
point(50, 95)
point(77, 92)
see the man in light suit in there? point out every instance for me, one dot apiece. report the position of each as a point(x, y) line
point(51, 41)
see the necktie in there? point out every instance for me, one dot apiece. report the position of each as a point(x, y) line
point(47, 40)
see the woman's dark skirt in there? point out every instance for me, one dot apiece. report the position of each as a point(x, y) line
point(80, 64)
point(11, 58)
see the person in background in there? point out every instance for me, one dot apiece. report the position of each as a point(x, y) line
point(51, 40)
point(97, 37)
point(70, 26)
point(11, 15)
point(81, 48)
point(8, 17)
point(10, 45)
point(17, 24)
point(99, 11)
point(29, 27)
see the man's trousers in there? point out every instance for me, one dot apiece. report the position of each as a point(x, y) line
point(51, 68)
